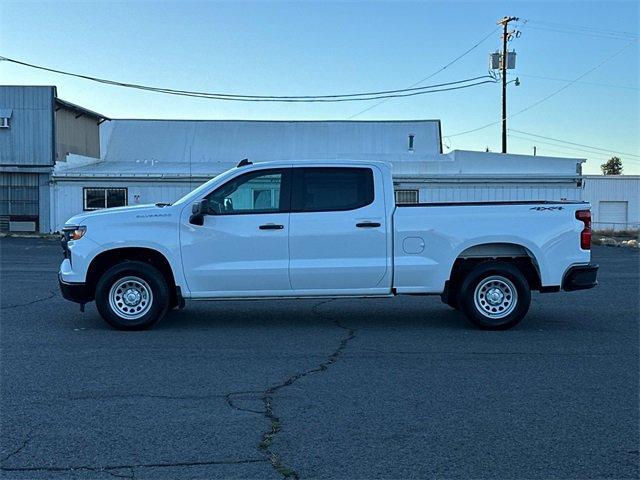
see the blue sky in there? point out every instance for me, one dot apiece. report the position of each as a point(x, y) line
point(334, 47)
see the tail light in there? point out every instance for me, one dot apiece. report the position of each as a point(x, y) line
point(585, 236)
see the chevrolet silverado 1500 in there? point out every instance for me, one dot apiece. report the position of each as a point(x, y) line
point(322, 229)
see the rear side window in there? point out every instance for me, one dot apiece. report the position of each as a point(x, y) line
point(325, 189)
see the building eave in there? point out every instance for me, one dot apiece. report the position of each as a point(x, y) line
point(84, 111)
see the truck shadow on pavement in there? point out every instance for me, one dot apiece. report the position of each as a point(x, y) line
point(372, 313)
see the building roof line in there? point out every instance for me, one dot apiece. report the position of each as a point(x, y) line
point(86, 111)
point(613, 177)
point(270, 121)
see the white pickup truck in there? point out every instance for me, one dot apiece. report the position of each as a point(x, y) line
point(322, 229)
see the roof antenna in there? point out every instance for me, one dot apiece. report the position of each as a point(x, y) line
point(244, 162)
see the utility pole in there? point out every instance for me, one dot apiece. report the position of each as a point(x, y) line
point(505, 37)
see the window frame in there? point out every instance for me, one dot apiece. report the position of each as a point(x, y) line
point(106, 196)
point(285, 191)
point(297, 194)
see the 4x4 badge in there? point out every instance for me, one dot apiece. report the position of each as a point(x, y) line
point(546, 208)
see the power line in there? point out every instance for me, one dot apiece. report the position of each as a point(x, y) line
point(540, 77)
point(605, 150)
point(557, 145)
point(599, 156)
point(477, 44)
point(552, 94)
point(407, 92)
point(585, 33)
point(543, 150)
point(568, 26)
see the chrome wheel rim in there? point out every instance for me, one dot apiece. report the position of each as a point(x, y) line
point(495, 297)
point(130, 298)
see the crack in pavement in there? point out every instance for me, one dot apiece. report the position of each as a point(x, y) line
point(267, 397)
point(131, 476)
point(52, 294)
point(459, 353)
point(113, 469)
point(109, 468)
point(19, 449)
point(121, 396)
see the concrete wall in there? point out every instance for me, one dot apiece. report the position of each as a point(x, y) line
point(79, 135)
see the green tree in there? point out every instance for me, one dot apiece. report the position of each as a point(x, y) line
point(613, 166)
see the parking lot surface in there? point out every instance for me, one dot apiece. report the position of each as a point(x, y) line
point(371, 388)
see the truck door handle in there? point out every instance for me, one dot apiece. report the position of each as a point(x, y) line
point(367, 224)
point(271, 226)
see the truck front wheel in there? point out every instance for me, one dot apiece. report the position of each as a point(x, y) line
point(495, 296)
point(132, 295)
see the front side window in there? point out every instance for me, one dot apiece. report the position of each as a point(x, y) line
point(97, 198)
point(254, 192)
point(321, 189)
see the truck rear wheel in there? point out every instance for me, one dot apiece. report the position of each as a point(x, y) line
point(495, 296)
point(132, 295)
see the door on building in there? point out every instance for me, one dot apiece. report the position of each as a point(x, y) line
point(242, 249)
point(612, 215)
point(338, 230)
point(19, 201)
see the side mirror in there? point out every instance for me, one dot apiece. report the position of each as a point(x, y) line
point(198, 211)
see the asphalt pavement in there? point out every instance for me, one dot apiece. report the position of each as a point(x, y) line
point(371, 388)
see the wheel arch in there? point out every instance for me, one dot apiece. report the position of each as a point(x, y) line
point(510, 252)
point(108, 258)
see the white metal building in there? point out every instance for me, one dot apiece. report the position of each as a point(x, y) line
point(147, 161)
point(615, 201)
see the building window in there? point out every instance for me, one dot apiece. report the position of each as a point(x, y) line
point(404, 197)
point(97, 198)
point(5, 115)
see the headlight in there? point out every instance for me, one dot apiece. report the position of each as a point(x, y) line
point(74, 232)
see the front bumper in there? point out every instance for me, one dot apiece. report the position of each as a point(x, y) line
point(75, 292)
point(580, 277)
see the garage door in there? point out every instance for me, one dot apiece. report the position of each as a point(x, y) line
point(612, 215)
point(18, 201)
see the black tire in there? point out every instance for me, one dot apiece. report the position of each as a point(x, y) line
point(142, 282)
point(503, 309)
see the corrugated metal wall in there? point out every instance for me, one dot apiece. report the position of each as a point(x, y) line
point(29, 139)
point(20, 200)
point(213, 141)
point(496, 192)
point(609, 188)
point(79, 135)
point(68, 194)
point(19, 194)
